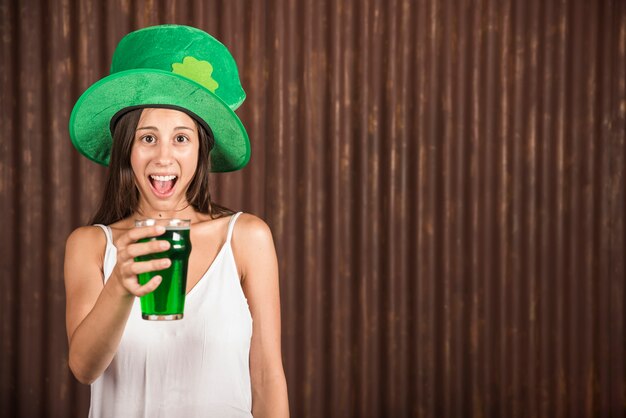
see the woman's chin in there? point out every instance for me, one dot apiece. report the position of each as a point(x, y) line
point(155, 203)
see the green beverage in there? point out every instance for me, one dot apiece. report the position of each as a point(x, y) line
point(167, 301)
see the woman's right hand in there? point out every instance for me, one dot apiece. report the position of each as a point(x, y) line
point(126, 269)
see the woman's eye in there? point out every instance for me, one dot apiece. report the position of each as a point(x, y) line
point(148, 139)
point(181, 139)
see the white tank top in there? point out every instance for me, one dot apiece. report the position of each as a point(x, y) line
point(194, 367)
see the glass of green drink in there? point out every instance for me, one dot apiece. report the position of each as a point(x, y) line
point(167, 301)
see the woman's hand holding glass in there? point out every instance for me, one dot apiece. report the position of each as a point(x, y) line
point(127, 269)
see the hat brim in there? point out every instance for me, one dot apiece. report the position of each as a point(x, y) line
point(90, 119)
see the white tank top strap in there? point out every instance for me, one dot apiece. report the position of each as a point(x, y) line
point(231, 226)
point(107, 232)
point(110, 252)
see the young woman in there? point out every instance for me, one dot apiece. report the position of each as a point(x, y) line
point(161, 132)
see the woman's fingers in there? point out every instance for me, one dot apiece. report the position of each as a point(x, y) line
point(128, 249)
point(151, 265)
point(143, 248)
point(135, 234)
point(138, 290)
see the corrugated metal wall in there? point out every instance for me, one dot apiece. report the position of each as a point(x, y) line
point(444, 179)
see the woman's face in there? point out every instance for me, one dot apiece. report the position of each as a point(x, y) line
point(164, 157)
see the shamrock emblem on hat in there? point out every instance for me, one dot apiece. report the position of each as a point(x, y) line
point(199, 71)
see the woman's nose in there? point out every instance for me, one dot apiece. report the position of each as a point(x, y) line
point(164, 154)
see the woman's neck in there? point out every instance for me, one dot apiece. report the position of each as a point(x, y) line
point(182, 211)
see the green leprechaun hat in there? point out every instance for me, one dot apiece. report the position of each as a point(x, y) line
point(170, 66)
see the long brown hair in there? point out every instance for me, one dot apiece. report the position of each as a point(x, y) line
point(121, 195)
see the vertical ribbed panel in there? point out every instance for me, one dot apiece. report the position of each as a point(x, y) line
point(444, 180)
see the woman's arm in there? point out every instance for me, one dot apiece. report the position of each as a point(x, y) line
point(254, 248)
point(96, 314)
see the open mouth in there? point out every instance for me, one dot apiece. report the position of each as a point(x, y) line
point(163, 185)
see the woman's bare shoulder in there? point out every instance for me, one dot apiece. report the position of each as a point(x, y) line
point(86, 238)
point(251, 228)
point(254, 249)
point(252, 241)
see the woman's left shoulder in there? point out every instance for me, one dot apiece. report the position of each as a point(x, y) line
point(252, 244)
point(254, 251)
point(251, 229)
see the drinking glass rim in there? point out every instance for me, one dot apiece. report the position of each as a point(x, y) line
point(171, 223)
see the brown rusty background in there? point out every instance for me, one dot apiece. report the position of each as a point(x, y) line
point(444, 179)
